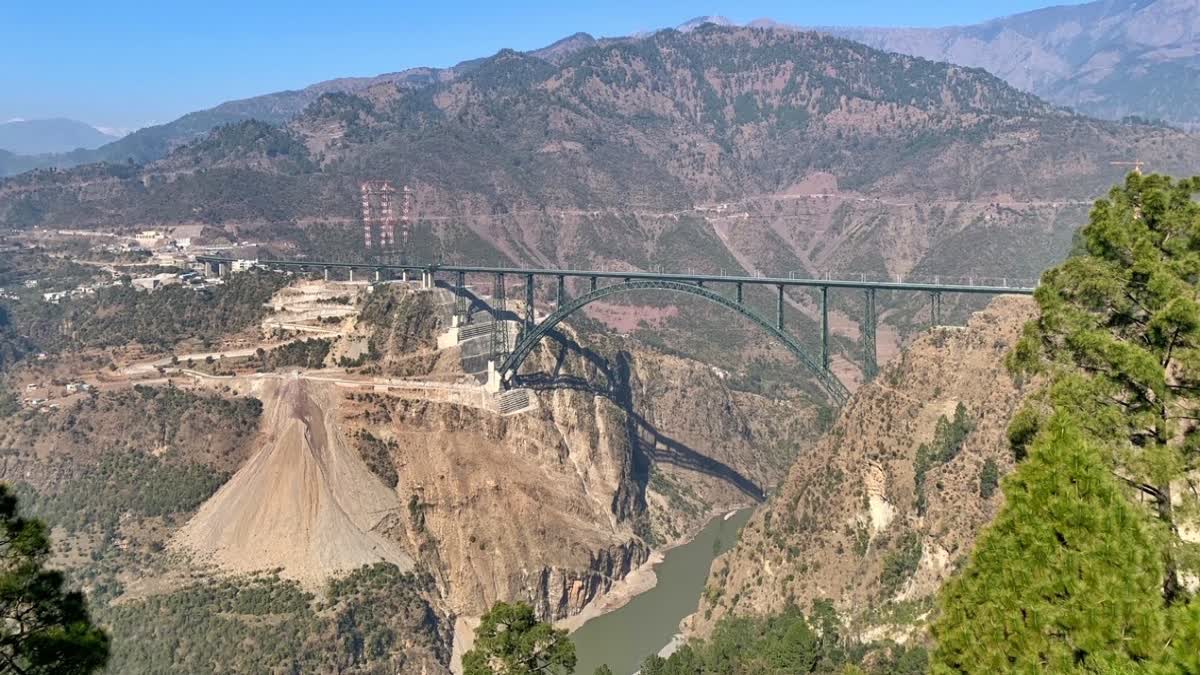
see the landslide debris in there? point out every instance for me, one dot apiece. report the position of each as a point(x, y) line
point(305, 503)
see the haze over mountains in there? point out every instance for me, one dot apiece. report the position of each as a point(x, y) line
point(1109, 59)
point(35, 137)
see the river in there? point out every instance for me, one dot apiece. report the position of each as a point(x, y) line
point(624, 637)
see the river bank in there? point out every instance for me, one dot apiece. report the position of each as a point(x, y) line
point(648, 622)
point(683, 566)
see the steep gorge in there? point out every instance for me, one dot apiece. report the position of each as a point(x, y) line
point(853, 522)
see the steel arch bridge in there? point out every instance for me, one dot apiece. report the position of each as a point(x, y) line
point(532, 335)
point(690, 283)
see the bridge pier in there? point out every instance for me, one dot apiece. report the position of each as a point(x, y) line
point(494, 384)
point(562, 291)
point(499, 329)
point(460, 297)
point(351, 275)
point(825, 327)
point(935, 309)
point(326, 274)
point(870, 356)
point(779, 309)
point(740, 296)
point(378, 274)
point(529, 302)
point(593, 283)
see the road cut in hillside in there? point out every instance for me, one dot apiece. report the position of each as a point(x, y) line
point(304, 503)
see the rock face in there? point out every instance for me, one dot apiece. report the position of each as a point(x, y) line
point(1108, 58)
point(623, 453)
point(849, 522)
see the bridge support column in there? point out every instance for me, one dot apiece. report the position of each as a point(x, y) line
point(494, 384)
point(593, 283)
point(378, 274)
point(223, 269)
point(326, 274)
point(351, 275)
point(562, 291)
point(870, 356)
point(528, 301)
point(825, 327)
point(779, 309)
point(460, 298)
point(499, 328)
point(935, 309)
point(740, 296)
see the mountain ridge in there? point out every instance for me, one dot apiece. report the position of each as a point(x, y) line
point(153, 143)
point(50, 135)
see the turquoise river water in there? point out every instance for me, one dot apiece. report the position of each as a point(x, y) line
point(624, 637)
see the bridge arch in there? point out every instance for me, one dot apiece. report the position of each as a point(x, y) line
point(530, 338)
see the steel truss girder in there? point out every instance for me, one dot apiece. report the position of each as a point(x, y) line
point(828, 381)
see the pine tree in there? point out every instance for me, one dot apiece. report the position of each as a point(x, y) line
point(1119, 337)
point(511, 641)
point(1066, 579)
point(43, 629)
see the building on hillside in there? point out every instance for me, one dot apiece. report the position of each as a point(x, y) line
point(150, 238)
point(244, 265)
point(156, 281)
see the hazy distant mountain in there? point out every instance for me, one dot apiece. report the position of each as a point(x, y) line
point(36, 137)
point(1109, 58)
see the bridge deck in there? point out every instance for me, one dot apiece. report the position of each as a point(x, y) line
point(651, 276)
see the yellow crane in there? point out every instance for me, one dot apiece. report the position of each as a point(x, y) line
point(1136, 164)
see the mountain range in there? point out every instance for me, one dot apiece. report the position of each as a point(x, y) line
point(714, 148)
point(36, 137)
point(1109, 59)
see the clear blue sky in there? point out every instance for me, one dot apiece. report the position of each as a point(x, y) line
point(128, 64)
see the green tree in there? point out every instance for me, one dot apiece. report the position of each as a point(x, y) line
point(43, 629)
point(511, 641)
point(1066, 579)
point(1119, 337)
point(989, 478)
point(602, 670)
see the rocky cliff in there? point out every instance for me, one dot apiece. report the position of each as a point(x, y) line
point(626, 449)
point(887, 504)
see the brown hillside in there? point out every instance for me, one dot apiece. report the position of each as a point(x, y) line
point(845, 524)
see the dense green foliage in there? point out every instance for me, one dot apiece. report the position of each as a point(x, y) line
point(1067, 578)
point(123, 484)
point(900, 563)
point(948, 438)
point(1081, 571)
point(44, 629)
point(376, 620)
point(511, 641)
point(989, 478)
point(308, 353)
point(786, 644)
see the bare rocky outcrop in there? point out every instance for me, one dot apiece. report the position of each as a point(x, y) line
point(846, 524)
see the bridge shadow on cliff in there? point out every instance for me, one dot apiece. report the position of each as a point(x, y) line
point(648, 443)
